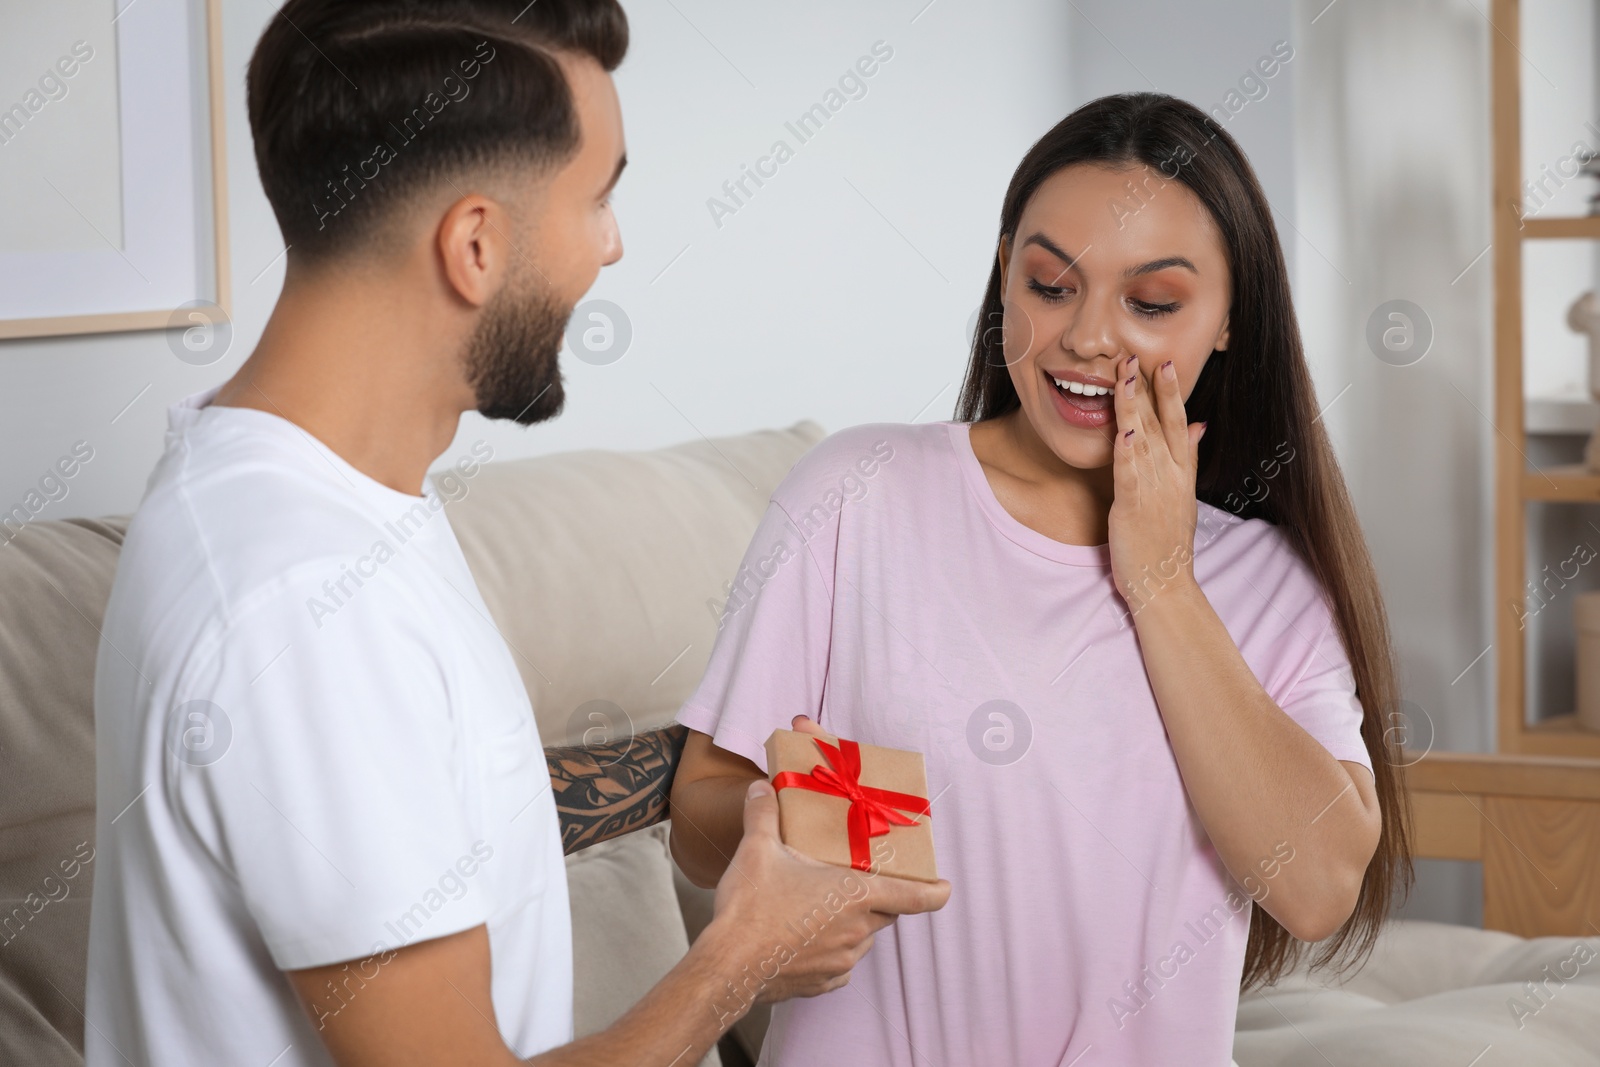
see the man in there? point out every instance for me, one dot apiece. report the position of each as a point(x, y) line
point(326, 832)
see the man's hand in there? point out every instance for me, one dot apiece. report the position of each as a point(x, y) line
point(793, 926)
point(785, 925)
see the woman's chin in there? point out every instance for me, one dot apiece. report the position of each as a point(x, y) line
point(1084, 455)
point(1083, 447)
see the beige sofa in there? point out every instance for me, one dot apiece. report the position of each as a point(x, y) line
point(603, 572)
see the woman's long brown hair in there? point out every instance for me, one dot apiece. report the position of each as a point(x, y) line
point(1257, 397)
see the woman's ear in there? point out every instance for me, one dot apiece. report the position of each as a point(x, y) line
point(1222, 337)
point(1005, 259)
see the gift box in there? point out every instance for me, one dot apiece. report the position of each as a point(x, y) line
point(853, 805)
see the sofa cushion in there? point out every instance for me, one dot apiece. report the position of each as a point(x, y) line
point(1433, 993)
point(626, 929)
point(56, 577)
point(605, 570)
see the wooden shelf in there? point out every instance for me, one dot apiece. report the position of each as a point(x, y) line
point(1570, 415)
point(1579, 226)
point(1516, 484)
point(1531, 812)
point(1507, 776)
point(1570, 482)
point(1561, 735)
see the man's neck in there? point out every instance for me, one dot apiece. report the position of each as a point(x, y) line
point(354, 364)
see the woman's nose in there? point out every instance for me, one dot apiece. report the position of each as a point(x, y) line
point(1089, 330)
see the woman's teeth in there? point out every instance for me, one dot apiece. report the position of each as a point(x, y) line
point(1080, 388)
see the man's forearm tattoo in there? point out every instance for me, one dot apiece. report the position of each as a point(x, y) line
point(607, 790)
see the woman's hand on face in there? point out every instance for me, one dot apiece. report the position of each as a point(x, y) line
point(1153, 515)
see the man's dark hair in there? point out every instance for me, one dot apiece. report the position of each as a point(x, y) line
point(355, 105)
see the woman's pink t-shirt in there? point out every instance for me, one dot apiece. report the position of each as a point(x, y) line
point(888, 595)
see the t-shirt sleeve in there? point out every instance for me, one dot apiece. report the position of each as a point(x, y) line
point(1322, 698)
point(770, 658)
point(317, 760)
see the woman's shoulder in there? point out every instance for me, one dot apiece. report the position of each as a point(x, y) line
point(849, 463)
point(1228, 533)
point(1257, 559)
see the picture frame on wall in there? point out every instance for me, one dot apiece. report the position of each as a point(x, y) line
point(112, 167)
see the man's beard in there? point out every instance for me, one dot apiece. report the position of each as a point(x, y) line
point(513, 355)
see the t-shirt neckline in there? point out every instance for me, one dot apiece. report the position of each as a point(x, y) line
point(1004, 521)
point(194, 409)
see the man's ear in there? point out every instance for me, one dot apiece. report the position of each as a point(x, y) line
point(473, 249)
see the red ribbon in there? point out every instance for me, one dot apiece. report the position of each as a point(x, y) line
point(872, 810)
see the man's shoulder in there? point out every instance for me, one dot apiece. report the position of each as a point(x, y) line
point(233, 518)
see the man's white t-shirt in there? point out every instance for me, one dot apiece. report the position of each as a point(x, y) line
point(313, 746)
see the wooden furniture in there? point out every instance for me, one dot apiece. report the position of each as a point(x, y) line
point(1530, 813)
point(1517, 483)
point(1534, 824)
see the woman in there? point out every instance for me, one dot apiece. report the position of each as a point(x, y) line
point(1146, 659)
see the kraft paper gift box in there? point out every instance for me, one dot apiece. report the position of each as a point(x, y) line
point(853, 805)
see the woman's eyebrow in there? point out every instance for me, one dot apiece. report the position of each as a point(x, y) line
point(1132, 272)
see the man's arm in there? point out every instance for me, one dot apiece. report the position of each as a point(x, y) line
point(605, 791)
point(428, 1004)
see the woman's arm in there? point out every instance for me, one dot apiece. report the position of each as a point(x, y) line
point(1294, 826)
point(707, 808)
point(708, 803)
point(1263, 787)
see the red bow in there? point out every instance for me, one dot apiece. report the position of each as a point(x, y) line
point(872, 810)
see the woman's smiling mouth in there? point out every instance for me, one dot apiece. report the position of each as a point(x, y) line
point(1080, 403)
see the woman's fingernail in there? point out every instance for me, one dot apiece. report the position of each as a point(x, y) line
point(1168, 371)
point(1127, 435)
point(1128, 385)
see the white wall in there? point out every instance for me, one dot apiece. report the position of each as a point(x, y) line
point(839, 292)
point(1206, 54)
